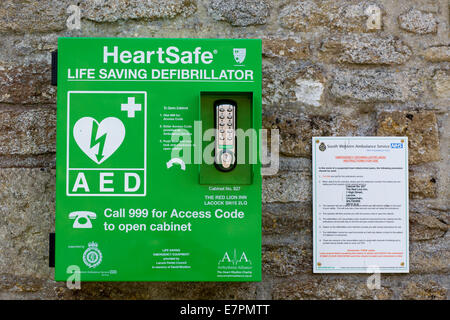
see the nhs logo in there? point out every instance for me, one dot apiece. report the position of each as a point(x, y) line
point(397, 145)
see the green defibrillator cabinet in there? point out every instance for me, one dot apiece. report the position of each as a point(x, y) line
point(158, 159)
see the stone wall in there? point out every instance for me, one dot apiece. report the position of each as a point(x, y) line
point(337, 67)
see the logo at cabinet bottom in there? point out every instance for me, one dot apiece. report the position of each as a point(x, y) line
point(92, 256)
point(234, 264)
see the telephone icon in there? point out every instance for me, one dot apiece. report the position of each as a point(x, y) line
point(82, 219)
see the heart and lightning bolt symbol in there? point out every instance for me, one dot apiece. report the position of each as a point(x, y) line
point(99, 140)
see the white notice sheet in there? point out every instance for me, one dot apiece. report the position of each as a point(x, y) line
point(360, 204)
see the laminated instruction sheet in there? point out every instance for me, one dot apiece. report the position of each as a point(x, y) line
point(360, 204)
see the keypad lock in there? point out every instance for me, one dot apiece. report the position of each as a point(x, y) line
point(225, 140)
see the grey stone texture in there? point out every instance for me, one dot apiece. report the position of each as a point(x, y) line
point(340, 15)
point(326, 71)
point(375, 85)
point(282, 81)
point(437, 54)
point(287, 187)
point(441, 84)
point(114, 10)
point(274, 47)
point(25, 16)
point(27, 132)
point(422, 184)
point(419, 22)
point(240, 13)
point(366, 49)
point(27, 215)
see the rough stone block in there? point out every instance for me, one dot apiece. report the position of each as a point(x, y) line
point(292, 83)
point(26, 84)
point(33, 15)
point(425, 227)
point(424, 290)
point(47, 16)
point(287, 260)
point(27, 206)
point(441, 84)
point(336, 15)
point(25, 132)
point(285, 48)
point(419, 22)
point(430, 257)
point(422, 184)
point(365, 49)
point(240, 13)
point(420, 128)
point(286, 218)
point(114, 10)
point(309, 92)
point(371, 86)
point(30, 48)
point(302, 16)
point(437, 54)
point(287, 187)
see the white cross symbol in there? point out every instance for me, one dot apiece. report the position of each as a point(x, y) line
point(130, 107)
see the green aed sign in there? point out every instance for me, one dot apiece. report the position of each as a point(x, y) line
point(158, 160)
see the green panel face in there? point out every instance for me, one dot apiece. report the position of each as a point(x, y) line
point(136, 200)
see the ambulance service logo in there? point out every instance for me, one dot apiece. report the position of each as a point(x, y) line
point(92, 256)
point(322, 147)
